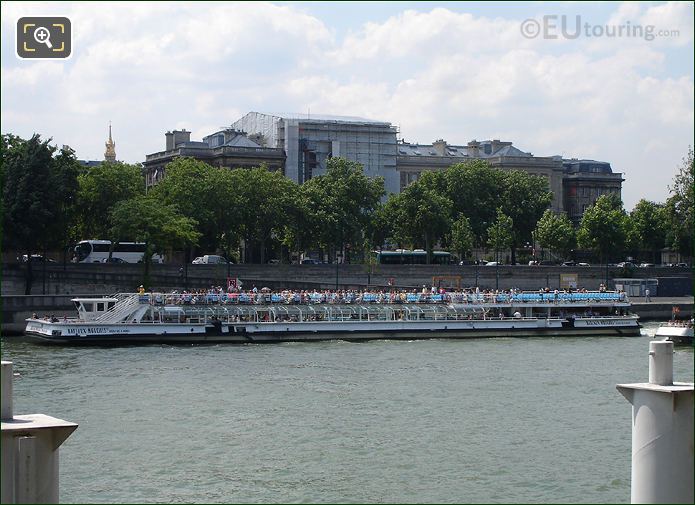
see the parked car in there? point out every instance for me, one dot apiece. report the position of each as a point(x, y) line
point(492, 263)
point(582, 264)
point(569, 263)
point(626, 264)
point(210, 259)
point(114, 260)
point(36, 258)
point(682, 265)
point(310, 261)
point(548, 263)
point(274, 262)
point(646, 265)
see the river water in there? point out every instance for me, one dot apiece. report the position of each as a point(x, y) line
point(483, 420)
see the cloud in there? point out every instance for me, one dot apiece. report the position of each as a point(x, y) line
point(152, 67)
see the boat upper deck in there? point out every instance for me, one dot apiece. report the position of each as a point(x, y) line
point(593, 298)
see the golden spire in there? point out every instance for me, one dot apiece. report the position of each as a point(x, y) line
point(110, 154)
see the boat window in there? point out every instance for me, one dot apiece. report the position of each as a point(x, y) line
point(100, 307)
point(88, 306)
point(111, 305)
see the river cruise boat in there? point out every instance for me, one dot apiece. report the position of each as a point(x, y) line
point(677, 331)
point(281, 317)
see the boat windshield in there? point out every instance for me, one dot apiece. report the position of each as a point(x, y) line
point(82, 250)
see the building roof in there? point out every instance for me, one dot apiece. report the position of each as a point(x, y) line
point(484, 150)
point(321, 117)
point(586, 166)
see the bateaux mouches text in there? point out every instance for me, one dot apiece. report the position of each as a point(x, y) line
point(94, 330)
point(603, 322)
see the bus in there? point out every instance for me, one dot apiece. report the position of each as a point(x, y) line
point(408, 257)
point(97, 251)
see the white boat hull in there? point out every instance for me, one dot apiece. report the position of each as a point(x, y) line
point(93, 333)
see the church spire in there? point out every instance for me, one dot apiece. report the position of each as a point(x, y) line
point(110, 154)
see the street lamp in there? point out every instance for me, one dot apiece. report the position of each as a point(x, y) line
point(337, 262)
point(497, 256)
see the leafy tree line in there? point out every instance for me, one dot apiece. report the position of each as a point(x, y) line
point(50, 201)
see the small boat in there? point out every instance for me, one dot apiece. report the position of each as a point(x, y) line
point(678, 331)
point(216, 317)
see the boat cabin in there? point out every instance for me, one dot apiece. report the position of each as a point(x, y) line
point(89, 309)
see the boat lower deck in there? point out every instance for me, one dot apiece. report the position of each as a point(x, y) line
point(218, 332)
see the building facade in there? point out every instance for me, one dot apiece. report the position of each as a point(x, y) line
point(226, 148)
point(310, 141)
point(584, 181)
point(414, 159)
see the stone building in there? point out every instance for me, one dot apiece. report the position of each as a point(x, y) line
point(227, 148)
point(584, 181)
point(414, 159)
point(311, 140)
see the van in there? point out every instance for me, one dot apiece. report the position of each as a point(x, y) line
point(210, 259)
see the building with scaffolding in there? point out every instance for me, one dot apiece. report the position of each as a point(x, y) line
point(309, 141)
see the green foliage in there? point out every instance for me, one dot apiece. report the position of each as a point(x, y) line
point(461, 236)
point(524, 198)
point(264, 200)
point(679, 209)
point(341, 203)
point(501, 232)
point(160, 226)
point(555, 232)
point(474, 189)
point(191, 185)
point(38, 195)
point(419, 215)
point(647, 227)
point(603, 228)
point(100, 189)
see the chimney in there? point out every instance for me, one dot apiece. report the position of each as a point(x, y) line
point(181, 136)
point(170, 141)
point(474, 149)
point(496, 144)
point(439, 147)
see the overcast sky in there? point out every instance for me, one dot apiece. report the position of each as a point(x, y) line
point(457, 71)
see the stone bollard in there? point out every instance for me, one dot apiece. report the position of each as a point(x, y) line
point(662, 432)
point(29, 451)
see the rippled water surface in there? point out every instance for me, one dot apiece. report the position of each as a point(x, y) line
point(484, 420)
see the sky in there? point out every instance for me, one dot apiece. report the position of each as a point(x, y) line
point(616, 84)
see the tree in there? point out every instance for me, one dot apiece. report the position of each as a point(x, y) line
point(603, 228)
point(342, 201)
point(191, 185)
point(38, 193)
point(679, 209)
point(524, 198)
point(647, 230)
point(265, 199)
point(461, 236)
point(159, 226)
point(501, 233)
point(100, 189)
point(474, 189)
point(555, 232)
point(419, 215)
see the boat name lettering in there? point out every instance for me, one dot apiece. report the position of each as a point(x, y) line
point(94, 330)
point(604, 322)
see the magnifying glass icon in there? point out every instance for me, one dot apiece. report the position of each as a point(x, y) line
point(43, 36)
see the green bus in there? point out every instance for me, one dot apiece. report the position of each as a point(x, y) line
point(414, 257)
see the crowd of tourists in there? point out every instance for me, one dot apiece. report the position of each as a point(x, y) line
point(431, 294)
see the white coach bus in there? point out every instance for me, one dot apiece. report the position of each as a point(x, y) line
point(97, 251)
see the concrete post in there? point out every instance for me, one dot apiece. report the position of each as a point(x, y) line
point(29, 451)
point(662, 432)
